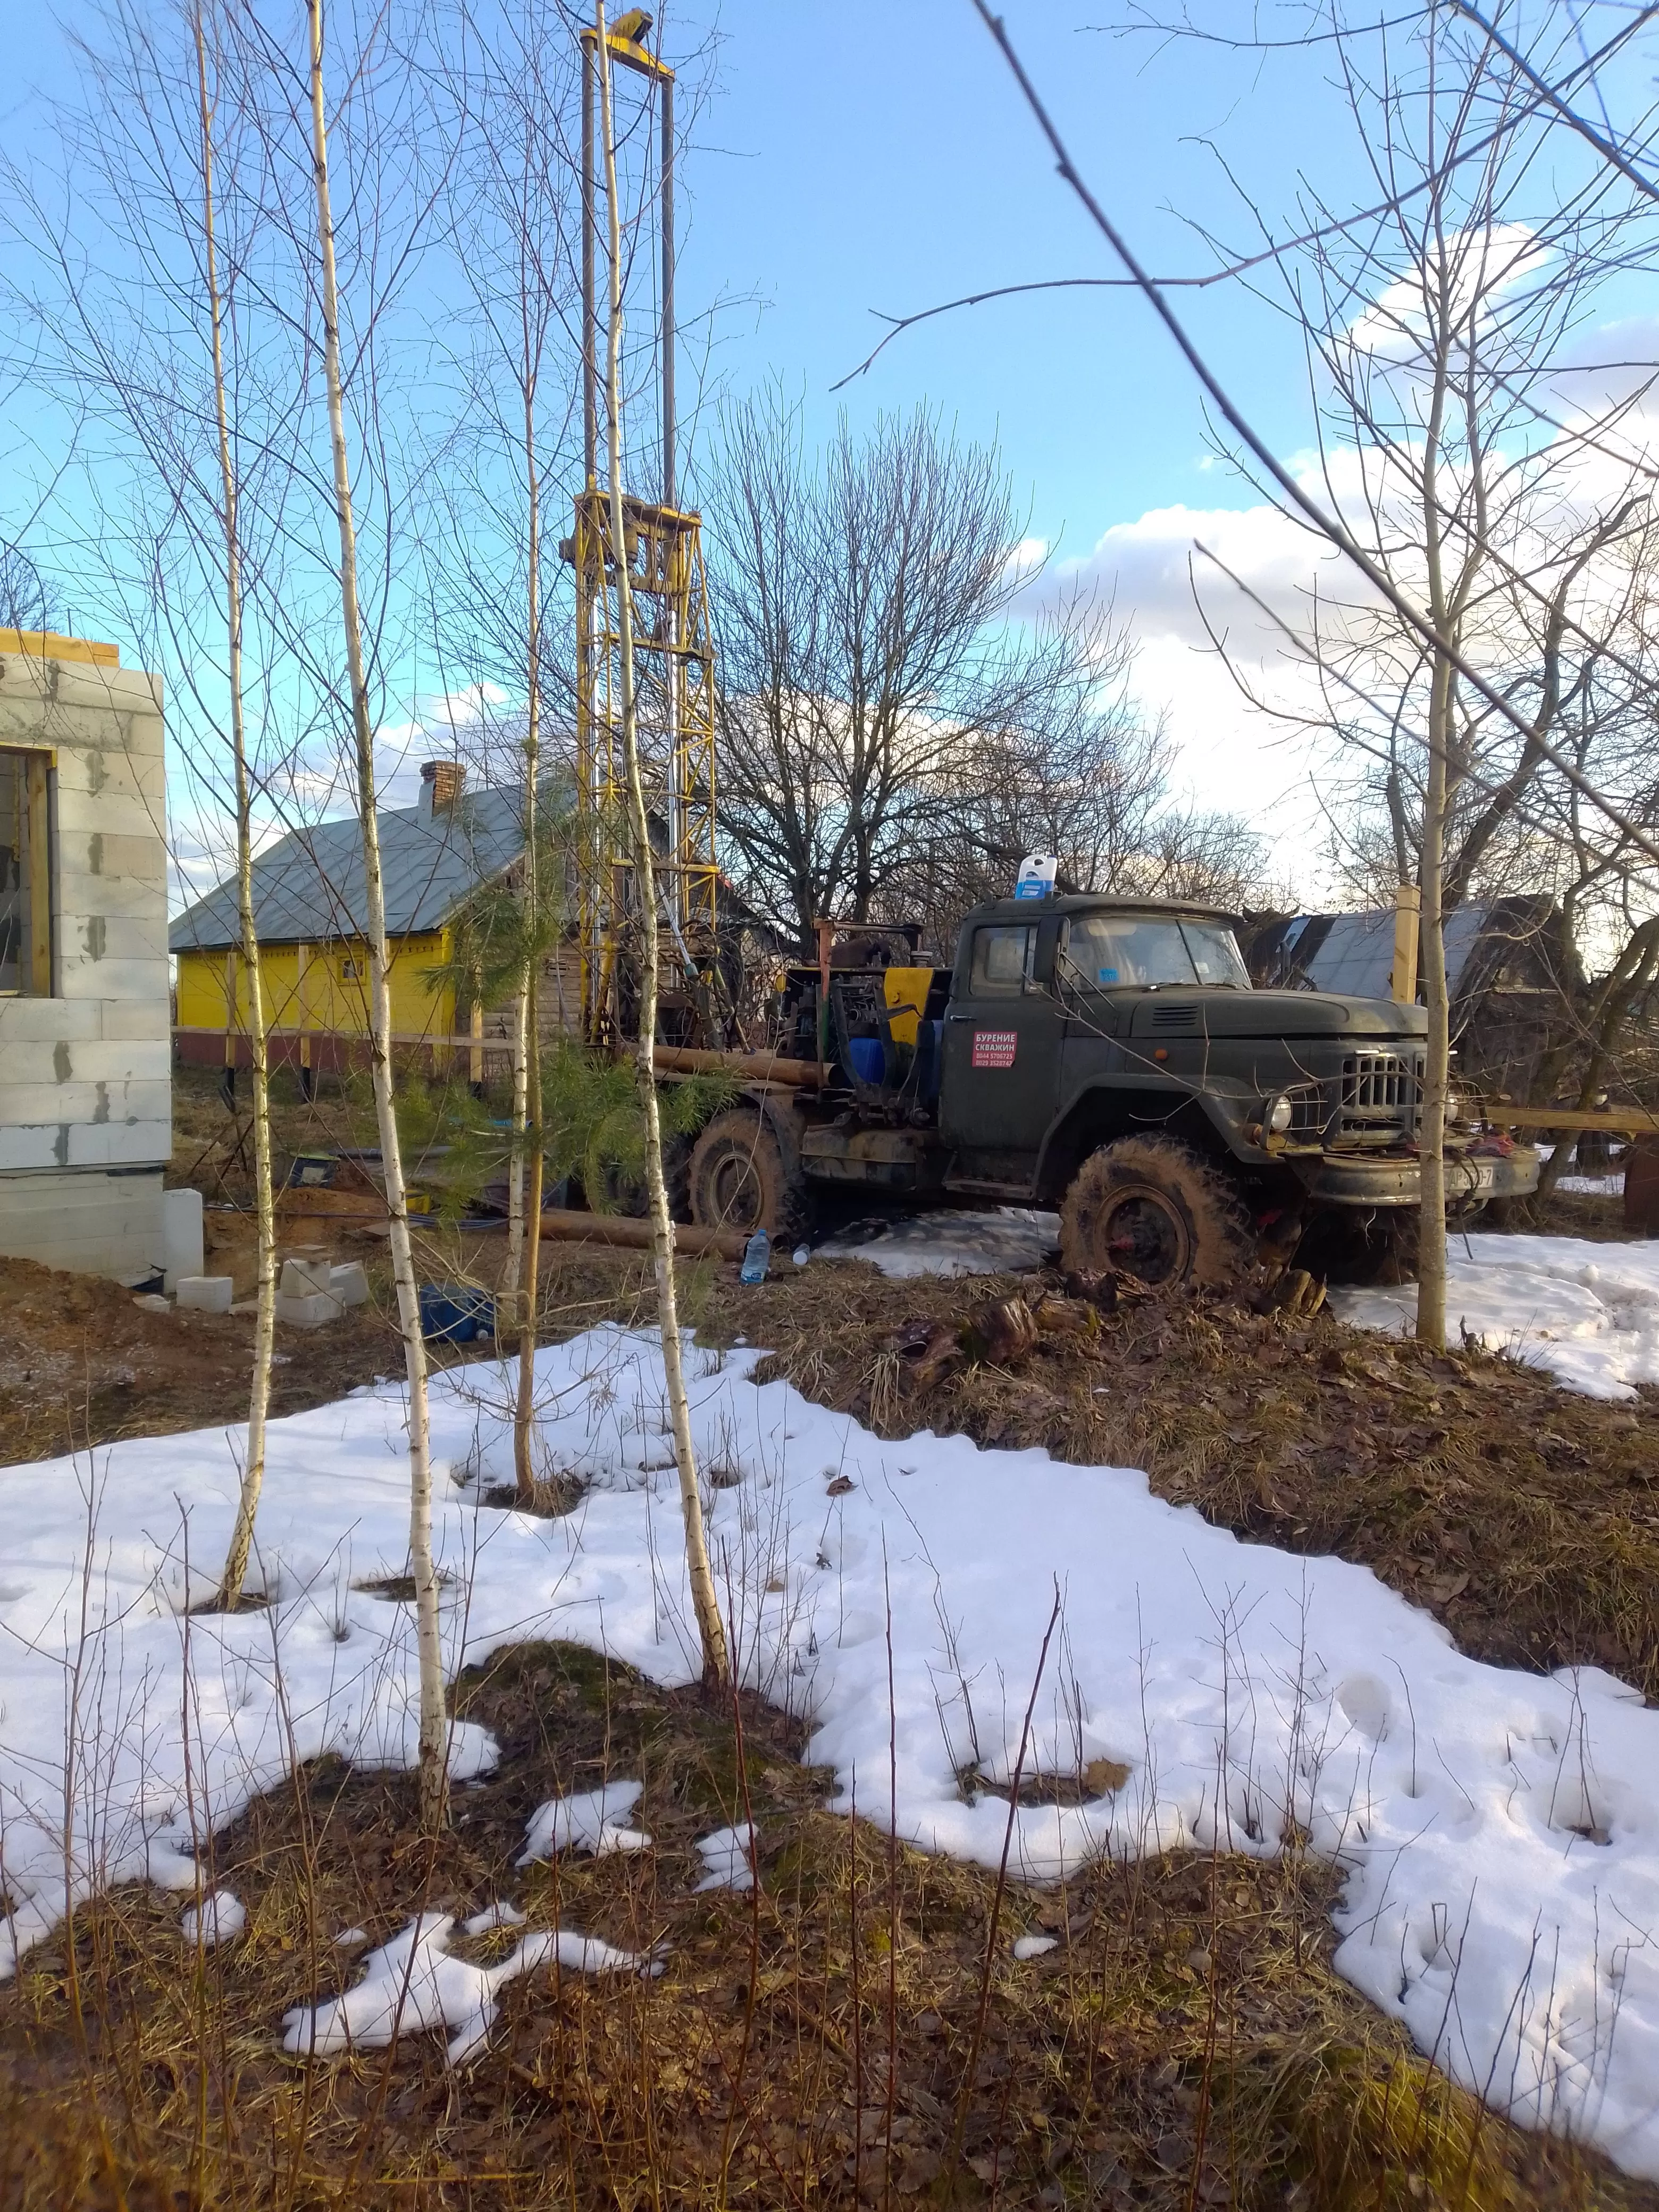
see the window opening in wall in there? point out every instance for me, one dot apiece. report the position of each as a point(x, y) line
point(25, 874)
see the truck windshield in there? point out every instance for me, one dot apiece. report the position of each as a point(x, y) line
point(1104, 950)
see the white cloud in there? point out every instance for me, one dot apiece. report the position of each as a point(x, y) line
point(1484, 266)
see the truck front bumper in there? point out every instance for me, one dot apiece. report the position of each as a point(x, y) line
point(1354, 1179)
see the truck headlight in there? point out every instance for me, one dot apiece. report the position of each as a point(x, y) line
point(1278, 1116)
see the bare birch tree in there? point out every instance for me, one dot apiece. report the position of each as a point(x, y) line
point(264, 1325)
point(711, 1630)
point(1495, 502)
point(434, 1746)
point(514, 196)
point(170, 372)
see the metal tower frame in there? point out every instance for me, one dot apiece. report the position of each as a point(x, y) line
point(673, 651)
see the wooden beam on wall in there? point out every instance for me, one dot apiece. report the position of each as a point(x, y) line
point(39, 836)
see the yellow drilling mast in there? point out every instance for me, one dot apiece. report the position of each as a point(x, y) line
point(673, 652)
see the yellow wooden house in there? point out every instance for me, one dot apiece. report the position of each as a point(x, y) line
point(310, 918)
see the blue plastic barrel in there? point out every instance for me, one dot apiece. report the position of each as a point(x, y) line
point(454, 1313)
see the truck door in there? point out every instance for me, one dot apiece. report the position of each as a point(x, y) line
point(1088, 986)
point(1002, 1046)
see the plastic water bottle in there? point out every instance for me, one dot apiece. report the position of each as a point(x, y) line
point(803, 1254)
point(755, 1254)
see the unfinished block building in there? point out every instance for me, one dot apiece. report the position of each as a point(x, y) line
point(85, 1090)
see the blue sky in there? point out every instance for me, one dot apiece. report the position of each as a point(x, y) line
point(854, 155)
point(858, 155)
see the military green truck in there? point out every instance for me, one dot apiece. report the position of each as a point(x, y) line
point(1104, 1056)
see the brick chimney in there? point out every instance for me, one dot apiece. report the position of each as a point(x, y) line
point(441, 786)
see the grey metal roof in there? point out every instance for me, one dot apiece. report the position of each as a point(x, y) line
point(1352, 954)
point(310, 886)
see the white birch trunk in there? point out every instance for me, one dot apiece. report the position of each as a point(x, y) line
point(711, 1629)
point(1431, 1130)
point(529, 1144)
point(265, 1327)
point(434, 1747)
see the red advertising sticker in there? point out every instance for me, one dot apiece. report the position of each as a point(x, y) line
point(994, 1047)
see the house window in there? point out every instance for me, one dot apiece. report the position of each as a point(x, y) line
point(25, 874)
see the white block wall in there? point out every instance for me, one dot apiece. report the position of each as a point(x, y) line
point(85, 1100)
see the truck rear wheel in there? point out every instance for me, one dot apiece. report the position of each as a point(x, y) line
point(1149, 1208)
point(742, 1179)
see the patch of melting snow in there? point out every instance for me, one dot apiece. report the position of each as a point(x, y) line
point(1006, 1240)
point(1033, 1947)
point(218, 1918)
point(729, 1857)
point(1586, 1312)
point(499, 1915)
point(415, 1982)
point(593, 1820)
point(1498, 1830)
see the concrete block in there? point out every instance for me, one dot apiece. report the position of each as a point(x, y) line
point(101, 786)
point(349, 1283)
point(122, 1019)
point(21, 1150)
point(204, 1293)
point(63, 1061)
point(310, 1310)
point(120, 1143)
point(105, 940)
point(114, 975)
point(47, 1022)
point(125, 902)
point(97, 1224)
point(92, 1099)
point(181, 1235)
point(305, 1277)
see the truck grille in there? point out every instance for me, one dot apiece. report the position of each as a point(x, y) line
point(1379, 1095)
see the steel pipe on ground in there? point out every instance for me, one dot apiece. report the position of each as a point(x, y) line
point(633, 1232)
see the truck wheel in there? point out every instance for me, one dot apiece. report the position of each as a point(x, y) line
point(623, 1189)
point(740, 1178)
point(1149, 1208)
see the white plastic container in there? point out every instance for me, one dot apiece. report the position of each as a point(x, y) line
point(1037, 872)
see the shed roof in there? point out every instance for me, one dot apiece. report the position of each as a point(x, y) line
point(309, 885)
point(1352, 954)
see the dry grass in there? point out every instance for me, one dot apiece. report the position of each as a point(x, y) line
point(1185, 2045)
point(855, 2031)
point(1525, 1516)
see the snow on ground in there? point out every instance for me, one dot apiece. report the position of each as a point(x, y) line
point(593, 1821)
point(1588, 1312)
point(1006, 1240)
point(729, 1856)
point(416, 1982)
point(218, 1918)
point(1500, 1831)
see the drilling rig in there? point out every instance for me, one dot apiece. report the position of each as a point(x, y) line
point(661, 557)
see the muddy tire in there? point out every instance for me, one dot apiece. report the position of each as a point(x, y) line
point(1148, 1206)
point(623, 1189)
point(742, 1177)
